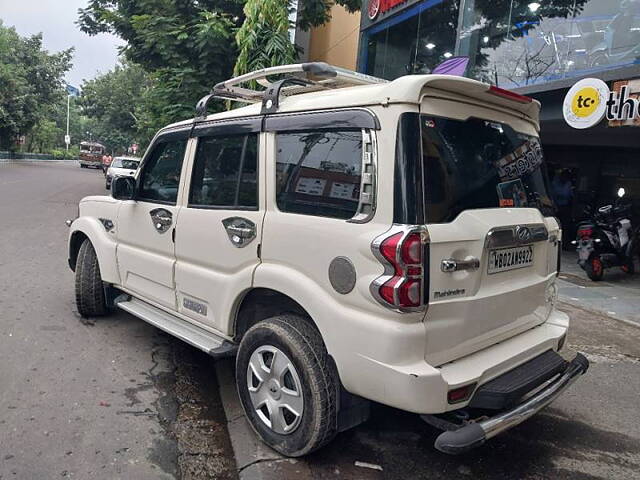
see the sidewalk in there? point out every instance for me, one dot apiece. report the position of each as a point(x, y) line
point(617, 295)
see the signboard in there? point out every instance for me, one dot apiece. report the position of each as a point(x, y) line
point(590, 100)
point(378, 10)
point(67, 139)
point(628, 92)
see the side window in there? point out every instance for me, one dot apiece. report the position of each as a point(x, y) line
point(225, 173)
point(161, 175)
point(319, 172)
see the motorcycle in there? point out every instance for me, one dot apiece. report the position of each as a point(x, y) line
point(606, 239)
point(620, 43)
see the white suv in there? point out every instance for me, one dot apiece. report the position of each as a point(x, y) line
point(349, 240)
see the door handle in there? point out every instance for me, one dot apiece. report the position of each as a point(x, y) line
point(162, 219)
point(449, 265)
point(241, 231)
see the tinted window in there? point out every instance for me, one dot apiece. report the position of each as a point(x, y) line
point(480, 164)
point(225, 172)
point(318, 173)
point(161, 175)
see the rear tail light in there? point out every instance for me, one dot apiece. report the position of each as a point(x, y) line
point(509, 95)
point(403, 252)
point(585, 232)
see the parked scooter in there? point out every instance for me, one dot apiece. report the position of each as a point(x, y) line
point(606, 239)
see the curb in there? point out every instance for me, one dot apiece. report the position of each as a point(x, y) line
point(22, 160)
point(254, 460)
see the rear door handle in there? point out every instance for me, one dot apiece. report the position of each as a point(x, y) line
point(162, 219)
point(450, 265)
point(241, 231)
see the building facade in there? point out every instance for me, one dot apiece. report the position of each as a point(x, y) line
point(536, 47)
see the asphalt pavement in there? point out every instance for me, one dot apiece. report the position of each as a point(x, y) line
point(116, 398)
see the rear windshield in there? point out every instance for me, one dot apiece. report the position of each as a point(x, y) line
point(480, 164)
point(124, 163)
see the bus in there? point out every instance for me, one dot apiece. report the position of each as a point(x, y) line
point(91, 154)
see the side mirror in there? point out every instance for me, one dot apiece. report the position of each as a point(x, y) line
point(123, 188)
point(621, 192)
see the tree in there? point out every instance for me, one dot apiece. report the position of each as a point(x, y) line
point(263, 39)
point(186, 47)
point(32, 81)
point(111, 101)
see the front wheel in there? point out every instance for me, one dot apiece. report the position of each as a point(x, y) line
point(287, 385)
point(594, 268)
point(90, 299)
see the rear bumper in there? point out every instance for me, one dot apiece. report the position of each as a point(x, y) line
point(475, 434)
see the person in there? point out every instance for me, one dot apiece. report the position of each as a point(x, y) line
point(108, 163)
point(105, 166)
point(562, 191)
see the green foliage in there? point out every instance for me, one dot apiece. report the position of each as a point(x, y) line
point(263, 39)
point(185, 47)
point(32, 82)
point(111, 102)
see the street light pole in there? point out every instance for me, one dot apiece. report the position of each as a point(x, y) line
point(68, 103)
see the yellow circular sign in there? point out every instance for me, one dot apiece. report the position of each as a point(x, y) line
point(585, 101)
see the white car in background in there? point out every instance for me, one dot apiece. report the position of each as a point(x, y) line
point(121, 167)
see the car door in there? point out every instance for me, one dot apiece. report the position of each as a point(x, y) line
point(219, 229)
point(145, 249)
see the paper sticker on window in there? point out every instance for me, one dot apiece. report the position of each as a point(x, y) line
point(342, 190)
point(525, 159)
point(310, 186)
point(512, 194)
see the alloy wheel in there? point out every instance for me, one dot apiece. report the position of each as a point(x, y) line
point(275, 389)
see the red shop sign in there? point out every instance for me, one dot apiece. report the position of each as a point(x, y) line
point(381, 6)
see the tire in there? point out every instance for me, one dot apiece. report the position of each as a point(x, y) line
point(90, 299)
point(83, 166)
point(317, 382)
point(107, 186)
point(594, 268)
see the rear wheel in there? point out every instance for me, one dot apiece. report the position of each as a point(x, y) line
point(90, 299)
point(594, 268)
point(287, 385)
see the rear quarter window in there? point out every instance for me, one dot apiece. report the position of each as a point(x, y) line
point(319, 172)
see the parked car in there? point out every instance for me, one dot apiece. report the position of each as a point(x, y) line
point(390, 242)
point(121, 166)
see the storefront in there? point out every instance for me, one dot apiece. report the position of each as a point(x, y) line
point(536, 47)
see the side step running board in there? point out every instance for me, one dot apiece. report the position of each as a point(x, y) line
point(206, 341)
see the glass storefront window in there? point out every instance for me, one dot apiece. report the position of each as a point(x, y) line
point(515, 43)
point(414, 43)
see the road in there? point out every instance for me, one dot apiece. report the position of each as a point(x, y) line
point(116, 398)
point(105, 398)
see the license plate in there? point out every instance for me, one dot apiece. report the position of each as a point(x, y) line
point(509, 259)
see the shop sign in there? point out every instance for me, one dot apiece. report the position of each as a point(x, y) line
point(590, 100)
point(376, 7)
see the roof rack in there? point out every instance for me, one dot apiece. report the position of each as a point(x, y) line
point(302, 78)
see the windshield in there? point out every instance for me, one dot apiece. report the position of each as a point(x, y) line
point(123, 163)
point(480, 164)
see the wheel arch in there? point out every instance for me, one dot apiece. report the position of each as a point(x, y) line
point(260, 303)
point(104, 244)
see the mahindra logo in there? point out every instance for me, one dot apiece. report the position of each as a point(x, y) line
point(523, 233)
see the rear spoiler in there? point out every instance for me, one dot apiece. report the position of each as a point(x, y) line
point(409, 89)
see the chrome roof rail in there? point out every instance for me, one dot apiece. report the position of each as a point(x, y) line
point(298, 78)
